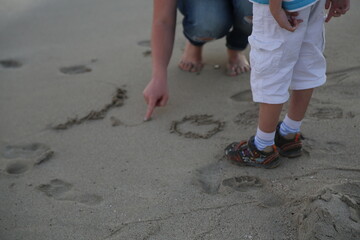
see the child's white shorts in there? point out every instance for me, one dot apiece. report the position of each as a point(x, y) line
point(282, 60)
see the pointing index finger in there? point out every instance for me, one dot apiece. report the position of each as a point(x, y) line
point(150, 110)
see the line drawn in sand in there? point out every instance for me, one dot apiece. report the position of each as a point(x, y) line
point(117, 122)
point(117, 101)
point(195, 122)
point(17, 159)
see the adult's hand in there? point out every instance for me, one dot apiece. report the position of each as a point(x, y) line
point(156, 94)
point(336, 8)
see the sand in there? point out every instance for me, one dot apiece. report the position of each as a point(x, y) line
point(106, 174)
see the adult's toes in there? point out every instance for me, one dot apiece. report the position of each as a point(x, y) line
point(231, 71)
point(184, 66)
point(197, 67)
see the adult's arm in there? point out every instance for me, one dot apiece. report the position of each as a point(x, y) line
point(162, 41)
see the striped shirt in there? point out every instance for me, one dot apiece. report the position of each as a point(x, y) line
point(290, 5)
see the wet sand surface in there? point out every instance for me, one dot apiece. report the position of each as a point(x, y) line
point(62, 176)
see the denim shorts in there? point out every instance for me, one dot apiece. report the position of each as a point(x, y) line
point(214, 19)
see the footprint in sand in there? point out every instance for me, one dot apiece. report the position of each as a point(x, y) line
point(77, 69)
point(342, 92)
point(209, 177)
point(334, 213)
point(327, 113)
point(343, 74)
point(17, 159)
point(244, 96)
point(197, 126)
point(340, 77)
point(328, 147)
point(61, 190)
point(243, 183)
point(248, 118)
point(10, 63)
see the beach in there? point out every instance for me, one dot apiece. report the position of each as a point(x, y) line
point(77, 161)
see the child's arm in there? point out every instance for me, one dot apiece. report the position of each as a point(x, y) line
point(285, 20)
point(336, 8)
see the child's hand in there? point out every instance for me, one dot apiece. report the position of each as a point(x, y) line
point(285, 19)
point(336, 8)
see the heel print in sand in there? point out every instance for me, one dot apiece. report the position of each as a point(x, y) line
point(18, 159)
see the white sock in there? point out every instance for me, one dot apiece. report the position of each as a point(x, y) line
point(263, 139)
point(289, 126)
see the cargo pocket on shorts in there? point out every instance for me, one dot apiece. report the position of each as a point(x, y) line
point(265, 55)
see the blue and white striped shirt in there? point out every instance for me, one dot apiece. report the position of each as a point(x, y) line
point(290, 5)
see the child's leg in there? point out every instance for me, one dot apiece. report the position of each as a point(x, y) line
point(268, 120)
point(288, 137)
point(298, 105)
point(269, 116)
point(309, 72)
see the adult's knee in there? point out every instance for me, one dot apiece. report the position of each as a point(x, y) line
point(206, 29)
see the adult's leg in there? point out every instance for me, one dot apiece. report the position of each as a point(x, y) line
point(203, 21)
point(237, 38)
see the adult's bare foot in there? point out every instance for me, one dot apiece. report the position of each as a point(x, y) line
point(191, 60)
point(238, 63)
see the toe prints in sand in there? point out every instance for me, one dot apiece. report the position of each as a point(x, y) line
point(17, 159)
point(243, 183)
point(197, 126)
point(77, 69)
point(64, 191)
point(73, 70)
point(147, 44)
point(117, 101)
point(211, 180)
point(10, 63)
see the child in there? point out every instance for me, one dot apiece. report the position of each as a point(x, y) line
point(287, 44)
